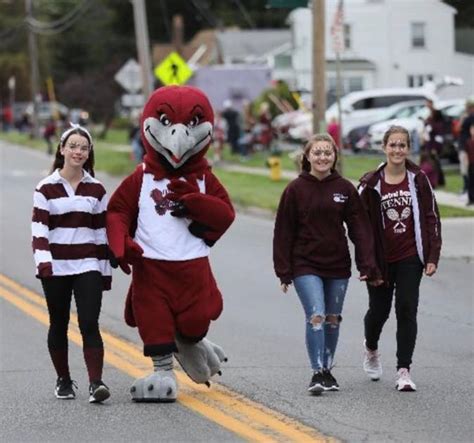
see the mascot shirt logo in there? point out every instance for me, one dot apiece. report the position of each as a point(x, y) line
point(162, 204)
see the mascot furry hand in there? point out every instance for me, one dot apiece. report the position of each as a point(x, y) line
point(162, 220)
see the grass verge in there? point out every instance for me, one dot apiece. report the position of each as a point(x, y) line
point(246, 190)
point(259, 191)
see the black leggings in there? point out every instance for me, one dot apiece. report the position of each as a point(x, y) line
point(404, 278)
point(87, 290)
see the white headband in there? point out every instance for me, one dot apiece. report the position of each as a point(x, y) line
point(74, 127)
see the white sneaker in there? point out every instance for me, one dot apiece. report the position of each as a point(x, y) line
point(372, 365)
point(404, 381)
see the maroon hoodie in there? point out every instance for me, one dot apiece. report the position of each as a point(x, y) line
point(309, 235)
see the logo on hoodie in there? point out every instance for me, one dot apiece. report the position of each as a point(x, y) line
point(339, 198)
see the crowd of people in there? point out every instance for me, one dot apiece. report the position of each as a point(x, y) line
point(437, 136)
point(243, 131)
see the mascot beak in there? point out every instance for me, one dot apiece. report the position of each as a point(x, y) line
point(179, 140)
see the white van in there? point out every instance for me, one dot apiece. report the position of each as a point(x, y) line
point(364, 107)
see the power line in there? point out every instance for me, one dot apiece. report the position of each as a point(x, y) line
point(244, 13)
point(164, 11)
point(210, 19)
point(60, 25)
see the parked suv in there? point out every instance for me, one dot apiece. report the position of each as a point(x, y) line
point(364, 107)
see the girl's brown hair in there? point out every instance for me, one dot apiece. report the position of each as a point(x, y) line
point(395, 129)
point(305, 165)
point(59, 158)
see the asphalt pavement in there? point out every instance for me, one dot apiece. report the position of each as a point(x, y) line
point(261, 330)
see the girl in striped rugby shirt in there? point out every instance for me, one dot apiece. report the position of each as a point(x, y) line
point(71, 255)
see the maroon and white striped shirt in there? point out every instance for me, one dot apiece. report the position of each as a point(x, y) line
point(68, 228)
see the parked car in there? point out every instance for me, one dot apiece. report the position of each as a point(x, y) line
point(364, 107)
point(358, 139)
point(359, 109)
point(415, 126)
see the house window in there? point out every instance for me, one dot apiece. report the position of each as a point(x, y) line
point(347, 36)
point(416, 80)
point(355, 84)
point(283, 61)
point(348, 84)
point(417, 35)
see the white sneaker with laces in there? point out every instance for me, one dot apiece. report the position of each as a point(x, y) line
point(404, 381)
point(372, 365)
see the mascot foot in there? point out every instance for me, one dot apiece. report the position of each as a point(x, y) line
point(159, 387)
point(200, 360)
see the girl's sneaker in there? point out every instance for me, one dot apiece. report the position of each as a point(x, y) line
point(404, 381)
point(372, 365)
point(64, 389)
point(329, 383)
point(316, 385)
point(98, 391)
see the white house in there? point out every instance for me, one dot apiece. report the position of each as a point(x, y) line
point(388, 43)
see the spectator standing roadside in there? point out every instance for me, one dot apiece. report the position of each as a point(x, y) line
point(469, 149)
point(49, 134)
point(434, 134)
point(135, 139)
point(263, 129)
point(334, 131)
point(219, 137)
point(428, 166)
point(7, 118)
point(464, 135)
point(232, 117)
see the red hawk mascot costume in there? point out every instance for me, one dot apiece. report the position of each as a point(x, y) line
point(162, 220)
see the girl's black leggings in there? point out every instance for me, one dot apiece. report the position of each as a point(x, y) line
point(87, 289)
point(404, 279)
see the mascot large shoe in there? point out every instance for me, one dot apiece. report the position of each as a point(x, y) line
point(162, 220)
point(200, 360)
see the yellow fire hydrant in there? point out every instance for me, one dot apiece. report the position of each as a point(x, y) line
point(274, 163)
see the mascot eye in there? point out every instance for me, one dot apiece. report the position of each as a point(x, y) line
point(195, 121)
point(164, 120)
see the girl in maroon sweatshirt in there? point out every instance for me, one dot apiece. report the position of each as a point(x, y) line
point(405, 222)
point(310, 249)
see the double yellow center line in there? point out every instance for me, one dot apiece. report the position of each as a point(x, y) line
point(233, 411)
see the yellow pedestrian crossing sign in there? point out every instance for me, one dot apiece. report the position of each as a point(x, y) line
point(173, 70)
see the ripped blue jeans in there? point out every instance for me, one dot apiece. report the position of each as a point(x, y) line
point(322, 300)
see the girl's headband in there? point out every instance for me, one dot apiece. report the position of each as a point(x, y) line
point(73, 128)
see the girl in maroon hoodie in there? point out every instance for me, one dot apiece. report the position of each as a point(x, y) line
point(310, 249)
point(405, 222)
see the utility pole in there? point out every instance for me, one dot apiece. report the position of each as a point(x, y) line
point(34, 74)
point(177, 33)
point(143, 45)
point(319, 67)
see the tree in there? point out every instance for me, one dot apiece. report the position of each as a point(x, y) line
point(465, 16)
point(102, 38)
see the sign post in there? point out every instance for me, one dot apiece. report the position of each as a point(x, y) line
point(130, 78)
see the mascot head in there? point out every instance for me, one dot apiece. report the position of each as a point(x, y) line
point(177, 124)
